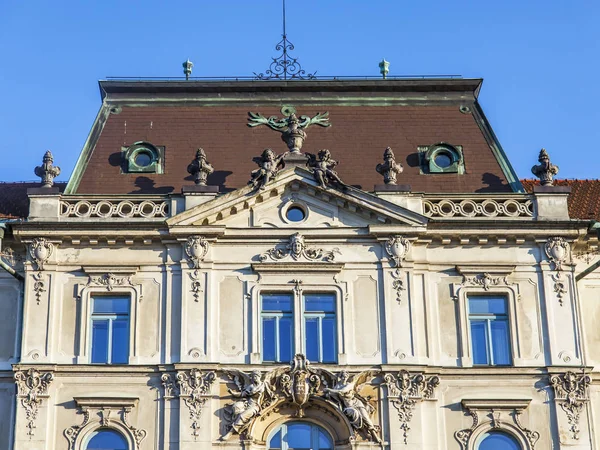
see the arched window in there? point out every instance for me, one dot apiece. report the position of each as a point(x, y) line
point(105, 439)
point(300, 436)
point(497, 441)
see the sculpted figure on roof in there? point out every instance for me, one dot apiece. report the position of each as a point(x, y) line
point(322, 166)
point(389, 168)
point(200, 168)
point(268, 166)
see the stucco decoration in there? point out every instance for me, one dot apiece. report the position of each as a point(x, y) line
point(40, 251)
point(322, 165)
point(397, 247)
point(571, 392)
point(196, 248)
point(389, 168)
point(39, 286)
point(195, 285)
point(545, 170)
point(291, 127)
point(98, 412)
point(32, 388)
point(557, 250)
point(296, 249)
point(405, 390)
point(110, 281)
point(47, 172)
point(194, 389)
point(269, 164)
point(300, 382)
point(398, 284)
point(485, 280)
point(200, 168)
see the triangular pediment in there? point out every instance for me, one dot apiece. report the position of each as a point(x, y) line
point(331, 207)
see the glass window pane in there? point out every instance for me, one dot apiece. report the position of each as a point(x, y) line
point(479, 341)
point(319, 302)
point(312, 339)
point(298, 435)
point(329, 339)
point(324, 441)
point(111, 305)
point(277, 302)
point(120, 341)
point(275, 441)
point(500, 342)
point(498, 441)
point(487, 305)
point(285, 339)
point(107, 440)
point(268, 331)
point(100, 341)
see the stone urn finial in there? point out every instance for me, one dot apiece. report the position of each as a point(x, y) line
point(294, 136)
point(545, 170)
point(200, 168)
point(47, 172)
point(389, 168)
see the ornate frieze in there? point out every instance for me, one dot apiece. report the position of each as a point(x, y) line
point(47, 172)
point(405, 390)
point(571, 392)
point(200, 168)
point(322, 166)
point(545, 170)
point(389, 168)
point(32, 387)
point(40, 251)
point(485, 280)
point(269, 164)
point(296, 249)
point(110, 281)
point(196, 248)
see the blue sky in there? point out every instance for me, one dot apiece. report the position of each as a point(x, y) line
point(539, 59)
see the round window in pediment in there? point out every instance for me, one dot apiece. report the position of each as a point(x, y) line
point(295, 213)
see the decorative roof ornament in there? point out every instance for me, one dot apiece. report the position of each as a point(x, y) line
point(200, 168)
point(389, 169)
point(291, 127)
point(545, 170)
point(384, 68)
point(47, 172)
point(268, 166)
point(285, 67)
point(187, 68)
point(322, 166)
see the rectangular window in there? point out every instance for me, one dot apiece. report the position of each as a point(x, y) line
point(490, 335)
point(277, 327)
point(110, 330)
point(320, 328)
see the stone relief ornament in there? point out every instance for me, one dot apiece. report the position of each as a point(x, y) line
point(322, 165)
point(299, 382)
point(195, 285)
point(545, 170)
point(194, 388)
point(485, 280)
point(398, 284)
point(557, 250)
point(47, 172)
point(40, 251)
point(39, 286)
point(110, 281)
point(32, 387)
point(389, 168)
point(405, 390)
point(397, 247)
point(196, 248)
point(291, 127)
point(200, 168)
point(269, 164)
point(571, 392)
point(345, 392)
point(296, 249)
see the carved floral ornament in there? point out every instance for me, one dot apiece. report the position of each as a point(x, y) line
point(557, 250)
point(32, 387)
point(196, 248)
point(110, 281)
point(296, 249)
point(571, 391)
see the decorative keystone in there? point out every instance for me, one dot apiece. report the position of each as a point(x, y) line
point(47, 172)
point(545, 170)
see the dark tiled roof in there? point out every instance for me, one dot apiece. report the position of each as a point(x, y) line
point(584, 200)
point(357, 138)
point(14, 203)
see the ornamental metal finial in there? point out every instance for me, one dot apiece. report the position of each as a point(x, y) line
point(384, 68)
point(389, 168)
point(545, 170)
point(187, 68)
point(200, 168)
point(47, 172)
point(285, 67)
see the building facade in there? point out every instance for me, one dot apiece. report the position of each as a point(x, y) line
point(210, 277)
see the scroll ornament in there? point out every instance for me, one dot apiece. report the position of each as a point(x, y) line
point(571, 392)
point(196, 248)
point(32, 387)
point(557, 250)
point(296, 248)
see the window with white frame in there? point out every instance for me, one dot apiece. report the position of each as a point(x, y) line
point(490, 330)
point(110, 330)
point(313, 314)
point(300, 436)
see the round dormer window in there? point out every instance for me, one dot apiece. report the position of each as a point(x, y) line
point(295, 214)
point(143, 159)
point(443, 160)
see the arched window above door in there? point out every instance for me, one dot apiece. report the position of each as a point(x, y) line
point(300, 436)
point(106, 439)
point(495, 440)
